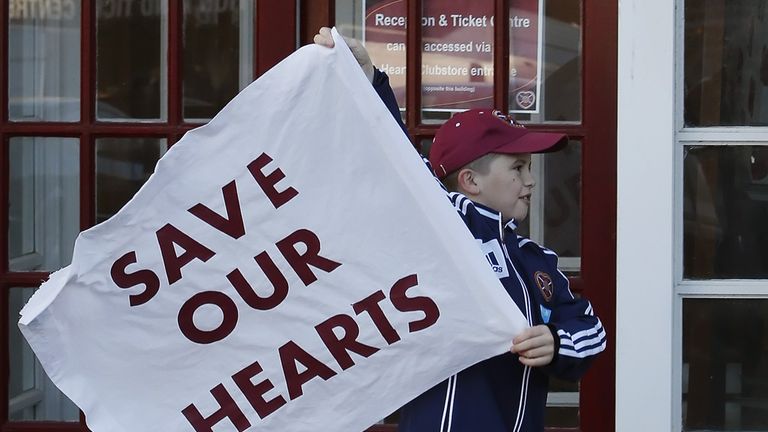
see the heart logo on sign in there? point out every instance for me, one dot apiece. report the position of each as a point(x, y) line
point(525, 99)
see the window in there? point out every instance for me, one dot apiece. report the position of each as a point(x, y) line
point(723, 291)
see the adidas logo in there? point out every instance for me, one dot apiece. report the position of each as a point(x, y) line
point(495, 257)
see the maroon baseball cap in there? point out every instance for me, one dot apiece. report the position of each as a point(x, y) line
point(472, 134)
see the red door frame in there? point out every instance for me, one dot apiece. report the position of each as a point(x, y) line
point(598, 229)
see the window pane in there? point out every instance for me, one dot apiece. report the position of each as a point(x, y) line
point(44, 202)
point(385, 42)
point(561, 185)
point(131, 51)
point(218, 54)
point(564, 387)
point(725, 365)
point(44, 60)
point(725, 191)
point(555, 217)
point(31, 394)
point(122, 167)
point(562, 404)
point(726, 63)
point(562, 417)
point(556, 99)
point(456, 56)
point(457, 52)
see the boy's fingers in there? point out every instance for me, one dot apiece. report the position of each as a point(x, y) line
point(531, 343)
point(535, 346)
point(536, 362)
point(525, 345)
point(324, 41)
point(318, 39)
point(519, 347)
point(531, 332)
point(540, 334)
point(537, 352)
point(540, 356)
point(324, 38)
point(523, 336)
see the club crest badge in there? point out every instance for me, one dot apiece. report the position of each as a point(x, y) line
point(544, 282)
point(525, 99)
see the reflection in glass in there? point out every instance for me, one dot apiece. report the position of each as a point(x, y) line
point(725, 191)
point(457, 56)
point(558, 98)
point(726, 63)
point(725, 365)
point(122, 167)
point(555, 216)
point(365, 20)
point(131, 51)
point(562, 404)
point(31, 394)
point(457, 51)
point(457, 77)
point(217, 54)
point(561, 186)
point(562, 417)
point(560, 386)
point(426, 145)
point(44, 61)
point(349, 15)
point(44, 202)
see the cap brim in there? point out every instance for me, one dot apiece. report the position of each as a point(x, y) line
point(534, 142)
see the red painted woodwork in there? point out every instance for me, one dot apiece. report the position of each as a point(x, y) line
point(275, 37)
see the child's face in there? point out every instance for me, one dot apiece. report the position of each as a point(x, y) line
point(507, 186)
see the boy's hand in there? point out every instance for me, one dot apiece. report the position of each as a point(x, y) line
point(535, 346)
point(324, 38)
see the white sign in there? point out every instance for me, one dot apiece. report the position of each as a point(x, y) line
point(290, 266)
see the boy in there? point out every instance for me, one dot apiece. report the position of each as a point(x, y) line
point(484, 159)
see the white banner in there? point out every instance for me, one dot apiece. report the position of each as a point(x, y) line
point(289, 266)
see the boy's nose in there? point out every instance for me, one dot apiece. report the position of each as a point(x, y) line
point(528, 180)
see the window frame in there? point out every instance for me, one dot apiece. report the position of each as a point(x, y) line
point(646, 187)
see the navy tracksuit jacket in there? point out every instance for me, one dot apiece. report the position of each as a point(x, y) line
point(501, 394)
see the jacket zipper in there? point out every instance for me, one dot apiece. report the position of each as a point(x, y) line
point(529, 316)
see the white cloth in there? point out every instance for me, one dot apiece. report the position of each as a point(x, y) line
point(355, 212)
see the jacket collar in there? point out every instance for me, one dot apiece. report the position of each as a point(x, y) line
point(490, 213)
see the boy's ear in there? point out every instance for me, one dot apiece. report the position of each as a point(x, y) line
point(467, 182)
